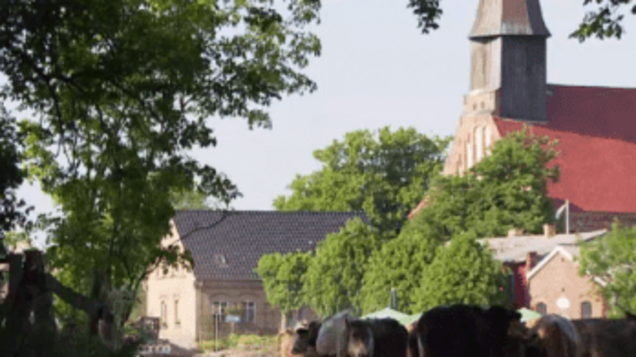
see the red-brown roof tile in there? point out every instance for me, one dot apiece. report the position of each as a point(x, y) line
point(596, 129)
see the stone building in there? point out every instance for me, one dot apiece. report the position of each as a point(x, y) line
point(509, 90)
point(226, 247)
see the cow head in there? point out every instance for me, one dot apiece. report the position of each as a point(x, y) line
point(359, 339)
point(305, 337)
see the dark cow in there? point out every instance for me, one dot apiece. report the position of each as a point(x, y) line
point(463, 330)
point(305, 339)
point(331, 337)
point(607, 338)
point(375, 338)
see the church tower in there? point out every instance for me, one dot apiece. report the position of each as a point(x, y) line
point(508, 66)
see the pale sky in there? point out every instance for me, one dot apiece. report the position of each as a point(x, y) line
point(377, 69)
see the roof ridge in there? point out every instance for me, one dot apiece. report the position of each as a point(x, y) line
point(586, 86)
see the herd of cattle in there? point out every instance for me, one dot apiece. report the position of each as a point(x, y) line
point(462, 330)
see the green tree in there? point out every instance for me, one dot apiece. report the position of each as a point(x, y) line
point(463, 272)
point(11, 176)
point(194, 199)
point(283, 279)
point(507, 189)
point(605, 21)
point(334, 277)
point(612, 259)
point(400, 265)
point(384, 174)
point(122, 90)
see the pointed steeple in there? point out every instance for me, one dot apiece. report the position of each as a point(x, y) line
point(509, 18)
point(508, 70)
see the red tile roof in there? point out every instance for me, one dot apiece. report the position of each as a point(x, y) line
point(596, 129)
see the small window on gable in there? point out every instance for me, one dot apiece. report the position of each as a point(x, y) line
point(541, 308)
point(586, 310)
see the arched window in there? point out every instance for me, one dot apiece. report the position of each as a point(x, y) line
point(479, 144)
point(488, 138)
point(164, 313)
point(586, 310)
point(176, 313)
point(541, 308)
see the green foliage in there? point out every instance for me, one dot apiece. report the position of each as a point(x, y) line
point(603, 22)
point(192, 199)
point(122, 91)
point(384, 174)
point(283, 278)
point(428, 13)
point(507, 189)
point(11, 175)
point(12, 239)
point(463, 272)
point(612, 258)
point(400, 265)
point(234, 341)
point(335, 275)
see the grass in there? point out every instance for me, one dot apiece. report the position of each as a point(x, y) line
point(240, 342)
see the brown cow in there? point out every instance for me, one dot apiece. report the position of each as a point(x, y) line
point(557, 336)
point(607, 338)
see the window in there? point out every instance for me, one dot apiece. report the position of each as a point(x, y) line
point(586, 310)
point(541, 308)
point(469, 155)
point(218, 309)
point(164, 314)
point(479, 144)
point(488, 139)
point(249, 311)
point(176, 313)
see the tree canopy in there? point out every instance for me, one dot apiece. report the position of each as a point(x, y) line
point(11, 175)
point(507, 189)
point(383, 173)
point(606, 21)
point(612, 259)
point(283, 278)
point(335, 274)
point(400, 265)
point(121, 91)
point(463, 272)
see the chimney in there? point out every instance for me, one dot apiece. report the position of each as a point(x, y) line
point(549, 230)
point(515, 232)
point(531, 261)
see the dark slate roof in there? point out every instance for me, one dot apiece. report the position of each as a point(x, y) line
point(226, 245)
point(509, 18)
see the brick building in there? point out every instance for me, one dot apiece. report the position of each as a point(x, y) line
point(226, 248)
point(595, 126)
point(555, 286)
point(537, 276)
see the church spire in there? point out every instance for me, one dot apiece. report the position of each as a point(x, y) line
point(509, 18)
point(508, 66)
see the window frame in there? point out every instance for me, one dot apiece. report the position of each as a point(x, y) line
point(246, 308)
point(537, 308)
point(591, 309)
